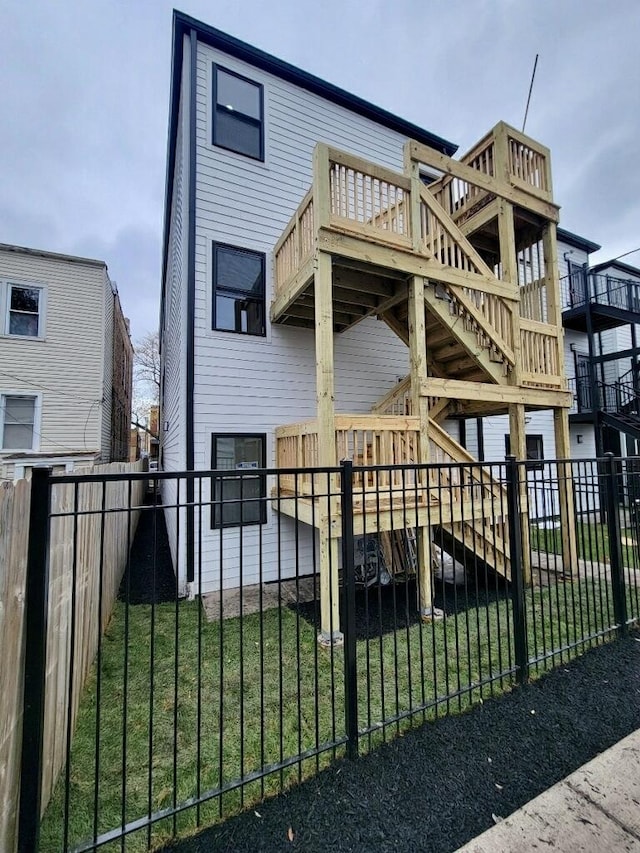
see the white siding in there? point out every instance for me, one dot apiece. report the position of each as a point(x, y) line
point(66, 365)
point(251, 384)
point(174, 333)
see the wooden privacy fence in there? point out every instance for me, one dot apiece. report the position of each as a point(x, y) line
point(87, 543)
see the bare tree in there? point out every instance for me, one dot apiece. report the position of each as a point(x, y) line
point(146, 365)
point(146, 381)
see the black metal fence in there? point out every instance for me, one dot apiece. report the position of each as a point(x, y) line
point(320, 631)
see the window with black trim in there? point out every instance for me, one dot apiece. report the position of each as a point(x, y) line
point(240, 498)
point(535, 450)
point(238, 290)
point(238, 113)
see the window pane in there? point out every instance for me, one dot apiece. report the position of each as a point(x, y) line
point(238, 95)
point(237, 270)
point(23, 324)
point(237, 133)
point(235, 314)
point(25, 299)
point(18, 419)
point(242, 497)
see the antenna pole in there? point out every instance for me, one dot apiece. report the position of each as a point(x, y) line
point(533, 76)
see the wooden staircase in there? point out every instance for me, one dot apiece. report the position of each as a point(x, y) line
point(481, 538)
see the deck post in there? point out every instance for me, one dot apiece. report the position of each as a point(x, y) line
point(560, 416)
point(420, 407)
point(509, 261)
point(329, 579)
point(565, 492)
point(519, 450)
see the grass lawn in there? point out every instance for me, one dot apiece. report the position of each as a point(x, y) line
point(182, 727)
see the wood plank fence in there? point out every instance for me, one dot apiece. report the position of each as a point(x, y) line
point(88, 542)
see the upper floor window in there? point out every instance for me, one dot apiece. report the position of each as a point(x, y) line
point(238, 113)
point(24, 311)
point(18, 414)
point(238, 290)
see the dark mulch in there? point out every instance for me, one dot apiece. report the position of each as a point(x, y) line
point(382, 609)
point(150, 575)
point(436, 787)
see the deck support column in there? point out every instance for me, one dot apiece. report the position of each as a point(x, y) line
point(565, 492)
point(420, 407)
point(329, 510)
point(519, 450)
point(560, 416)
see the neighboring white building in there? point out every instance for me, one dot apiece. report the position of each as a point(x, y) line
point(65, 363)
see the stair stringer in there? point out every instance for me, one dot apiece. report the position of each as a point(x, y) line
point(484, 537)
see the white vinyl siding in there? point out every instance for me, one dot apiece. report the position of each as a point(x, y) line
point(247, 203)
point(66, 365)
point(174, 336)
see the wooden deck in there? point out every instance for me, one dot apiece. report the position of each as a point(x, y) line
point(459, 259)
point(381, 227)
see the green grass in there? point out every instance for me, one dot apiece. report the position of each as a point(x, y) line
point(273, 670)
point(592, 541)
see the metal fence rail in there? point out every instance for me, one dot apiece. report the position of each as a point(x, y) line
point(199, 706)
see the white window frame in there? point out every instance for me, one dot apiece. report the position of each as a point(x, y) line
point(37, 418)
point(7, 284)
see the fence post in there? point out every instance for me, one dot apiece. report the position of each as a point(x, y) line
point(517, 581)
point(349, 592)
point(35, 661)
point(615, 544)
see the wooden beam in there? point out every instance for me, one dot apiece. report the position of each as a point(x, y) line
point(489, 393)
point(296, 286)
point(509, 264)
point(406, 263)
point(496, 185)
point(329, 611)
point(519, 450)
point(420, 407)
point(565, 491)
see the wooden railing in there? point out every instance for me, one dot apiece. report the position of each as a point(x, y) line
point(457, 196)
point(295, 246)
point(368, 199)
point(528, 164)
point(540, 353)
point(533, 300)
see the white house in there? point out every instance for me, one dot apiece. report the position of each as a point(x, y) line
point(248, 345)
point(65, 363)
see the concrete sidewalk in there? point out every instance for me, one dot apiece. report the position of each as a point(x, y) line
point(595, 809)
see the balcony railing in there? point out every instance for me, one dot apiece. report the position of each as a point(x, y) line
point(582, 287)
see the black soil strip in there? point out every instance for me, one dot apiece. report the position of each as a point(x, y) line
point(436, 787)
point(151, 571)
point(382, 609)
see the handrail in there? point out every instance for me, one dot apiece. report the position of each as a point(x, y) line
point(583, 287)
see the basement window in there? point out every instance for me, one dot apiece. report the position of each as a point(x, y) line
point(238, 113)
point(239, 498)
point(535, 450)
point(238, 290)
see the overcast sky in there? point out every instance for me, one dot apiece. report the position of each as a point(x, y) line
point(84, 89)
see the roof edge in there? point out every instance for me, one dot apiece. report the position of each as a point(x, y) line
point(56, 256)
point(617, 265)
point(266, 62)
point(578, 242)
